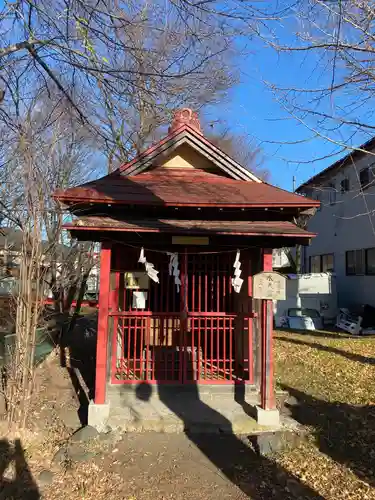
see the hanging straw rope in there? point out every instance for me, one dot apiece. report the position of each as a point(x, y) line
point(232, 250)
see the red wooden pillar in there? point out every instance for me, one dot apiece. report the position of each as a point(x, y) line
point(267, 391)
point(249, 310)
point(102, 336)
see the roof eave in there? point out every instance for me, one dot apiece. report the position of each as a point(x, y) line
point(73, 227)
point(71, 200)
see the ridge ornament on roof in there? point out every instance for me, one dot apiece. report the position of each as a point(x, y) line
point(185, 116)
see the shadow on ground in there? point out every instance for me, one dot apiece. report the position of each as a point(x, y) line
point(256, 476)
point(21, 486)
point(81, 345)
point(344, 432)
point(321, 334)
point(240, 398)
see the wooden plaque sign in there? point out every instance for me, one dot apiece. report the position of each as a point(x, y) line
point(269, 286)
point(136, 280)
point(190, 240)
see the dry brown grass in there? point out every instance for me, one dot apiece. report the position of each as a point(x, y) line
point(332, 376)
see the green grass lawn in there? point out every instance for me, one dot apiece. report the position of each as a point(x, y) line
point(331, 379)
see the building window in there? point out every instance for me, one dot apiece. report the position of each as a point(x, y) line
point(344, 185)
point(327, 263)
point(314, 194)
point(317, 195)
point(354, 262)
point(331, 193)
point(370, 261)
point(321, 263)
point(364, 177)
point(315, 264)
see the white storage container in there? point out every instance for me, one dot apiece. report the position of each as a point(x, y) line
point(309, 291)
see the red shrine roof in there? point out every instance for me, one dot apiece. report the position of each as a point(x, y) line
point(144, 181)
point(180, 187)
point(196, 227)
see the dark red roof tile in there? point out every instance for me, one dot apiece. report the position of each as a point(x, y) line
point(182, 187)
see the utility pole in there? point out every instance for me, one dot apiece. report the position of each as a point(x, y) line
point(298, 257)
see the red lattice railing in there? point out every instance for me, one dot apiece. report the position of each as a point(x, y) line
point(155, 348)
point(195, 335)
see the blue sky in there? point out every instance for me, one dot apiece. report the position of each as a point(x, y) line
point(253, 109)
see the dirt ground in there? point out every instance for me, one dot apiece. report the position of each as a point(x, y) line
point(331, 382)
point(157, 466)
point(166, 466)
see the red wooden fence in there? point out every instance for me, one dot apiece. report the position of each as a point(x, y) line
point(195, 335)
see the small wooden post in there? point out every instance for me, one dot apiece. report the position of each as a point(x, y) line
point(102, 336)
point(267, 391)
point(249, 308)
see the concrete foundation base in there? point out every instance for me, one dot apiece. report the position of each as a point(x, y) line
point(268, 418)
point(191, 409)
point(98, 416)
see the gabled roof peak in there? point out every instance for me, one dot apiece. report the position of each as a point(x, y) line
point(186, 134)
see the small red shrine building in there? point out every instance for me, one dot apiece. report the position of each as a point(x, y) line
point(185, 209)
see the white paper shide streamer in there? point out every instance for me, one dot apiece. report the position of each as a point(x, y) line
point(150, 269)
point(237, 281)
point(173, 268)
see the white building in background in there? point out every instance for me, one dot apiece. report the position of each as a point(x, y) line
point(345, 226)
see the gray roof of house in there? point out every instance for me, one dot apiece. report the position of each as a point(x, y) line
point(354, 155)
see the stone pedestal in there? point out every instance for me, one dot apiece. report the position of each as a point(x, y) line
point(98, 416)
point(269, 418)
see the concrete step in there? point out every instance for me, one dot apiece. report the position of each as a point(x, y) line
point(204, 392)
point(197, 409)
point(182, 414)
point(238, 426)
